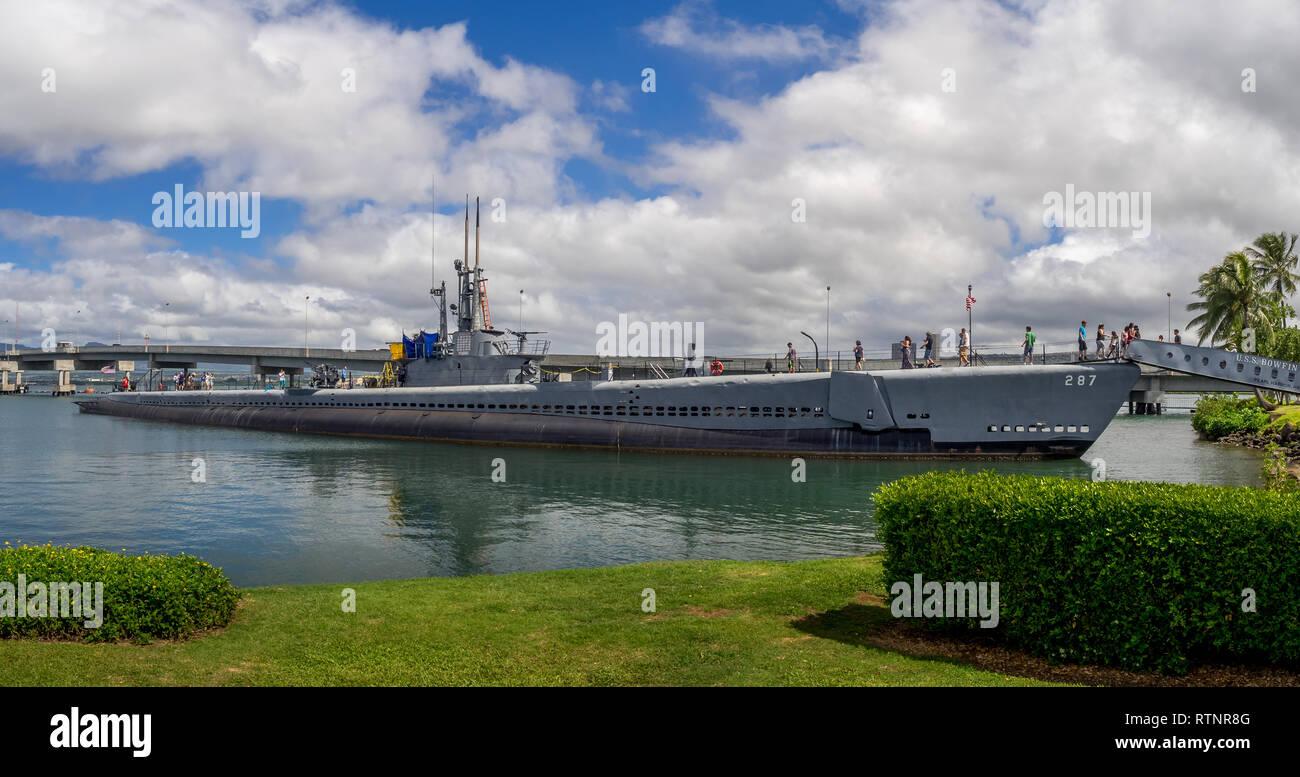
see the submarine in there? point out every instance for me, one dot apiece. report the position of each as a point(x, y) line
point(482, 385)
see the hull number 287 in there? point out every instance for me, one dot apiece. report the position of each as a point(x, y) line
point(1080, 380)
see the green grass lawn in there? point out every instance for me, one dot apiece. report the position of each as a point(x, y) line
point(717, 623)
point(1284, 415)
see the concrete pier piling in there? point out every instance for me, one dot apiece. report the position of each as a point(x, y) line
point(17, 387)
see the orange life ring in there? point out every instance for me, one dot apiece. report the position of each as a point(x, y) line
point(715, 368)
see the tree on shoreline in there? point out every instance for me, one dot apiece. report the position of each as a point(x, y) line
point(1273, 257)
point(1250, 288)
point(1231, 300)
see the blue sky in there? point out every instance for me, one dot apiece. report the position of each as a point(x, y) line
point(587, 41)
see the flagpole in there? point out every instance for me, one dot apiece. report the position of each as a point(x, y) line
point(970, 322)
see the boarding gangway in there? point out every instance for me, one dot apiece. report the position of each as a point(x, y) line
point(1258, 372)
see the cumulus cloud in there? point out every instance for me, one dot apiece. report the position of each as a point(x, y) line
point(308, 102)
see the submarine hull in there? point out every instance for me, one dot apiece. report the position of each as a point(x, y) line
point(903, 414)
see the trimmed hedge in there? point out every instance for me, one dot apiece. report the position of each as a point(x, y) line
point(1218, 415)
point(1145, 576)
point(144, 597)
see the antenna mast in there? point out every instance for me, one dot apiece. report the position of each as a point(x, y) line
point(479, 322)
point(438, 293)
point(433, 229)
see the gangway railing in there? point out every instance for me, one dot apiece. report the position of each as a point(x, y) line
point(1248, 369)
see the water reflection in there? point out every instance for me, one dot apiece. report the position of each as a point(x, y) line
point(279, 508)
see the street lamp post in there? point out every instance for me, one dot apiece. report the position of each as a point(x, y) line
point(305, 348)
point(816, 354)
point(828, 328)
point(1169, 317)
point(16, 309)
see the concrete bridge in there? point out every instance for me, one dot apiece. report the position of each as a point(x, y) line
point(142, 358)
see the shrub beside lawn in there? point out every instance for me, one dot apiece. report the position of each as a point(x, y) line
point(1219, 415)
point(1146, 576)
point(144, 597)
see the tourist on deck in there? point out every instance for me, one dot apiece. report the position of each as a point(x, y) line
point(928, 345)
point(1101, 341)
point(1114, 345)
point(906, 348)
point(1027, 355)
point(1083, 341)
point(857, 356)
point(963, 348)
point(284, 379)
point(1178, 339)
point(344, 379)
point(791, 358)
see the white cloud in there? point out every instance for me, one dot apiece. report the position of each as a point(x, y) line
point(255, 93)
point(695, 26)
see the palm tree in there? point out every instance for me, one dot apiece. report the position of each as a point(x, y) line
point(1274, 259)
point(1231, 300)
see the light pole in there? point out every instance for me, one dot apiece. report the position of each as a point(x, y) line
point(828, 327)
point(521, 311)
point(306, 350)
point(816, 355)
point(167, 333)
point(1169, 320)
point(16, 309)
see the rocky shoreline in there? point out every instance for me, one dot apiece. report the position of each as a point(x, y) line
point(1287, 436)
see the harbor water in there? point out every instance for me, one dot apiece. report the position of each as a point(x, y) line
point(283, 509)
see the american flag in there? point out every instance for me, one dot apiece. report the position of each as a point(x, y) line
point(969, 301)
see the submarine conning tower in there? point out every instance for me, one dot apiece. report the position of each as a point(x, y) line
point(477, 352)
